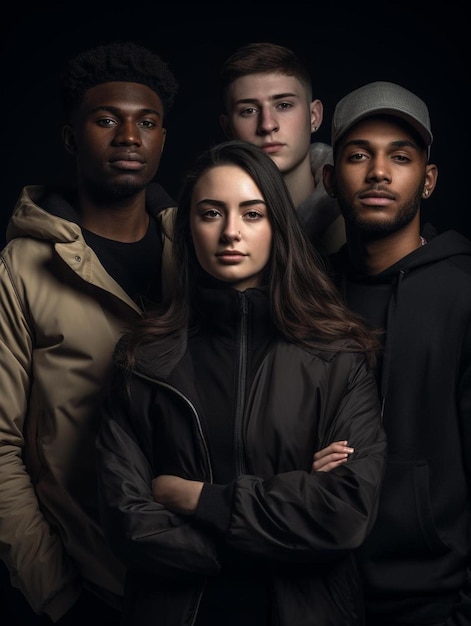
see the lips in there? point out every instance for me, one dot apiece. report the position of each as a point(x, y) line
point(230, 255)
point(127, 156)
point(271, 148)
point(374, 193)
point(127, 161)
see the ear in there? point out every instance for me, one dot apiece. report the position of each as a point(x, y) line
point(164, 137)
point(226, 127)
point(329, 179)
point(431, 176)
point(68, 137)
point(317, 114)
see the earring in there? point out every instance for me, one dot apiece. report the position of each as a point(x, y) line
point(332, 194)
point(426, 192)
point(315, 129)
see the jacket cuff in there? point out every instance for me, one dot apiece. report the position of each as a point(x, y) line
point(214, 506)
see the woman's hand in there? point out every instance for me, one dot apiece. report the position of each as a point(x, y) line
point(177, 494)
point(334, 455)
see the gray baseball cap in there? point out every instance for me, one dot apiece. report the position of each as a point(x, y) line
point(381, 97)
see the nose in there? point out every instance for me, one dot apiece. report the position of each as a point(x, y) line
point(379, 168)
point(231, 230)
point(267, 122)
point(127, 134)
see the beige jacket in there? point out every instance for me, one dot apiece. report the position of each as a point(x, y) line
point(60, 317)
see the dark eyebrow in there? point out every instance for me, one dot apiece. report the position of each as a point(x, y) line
point(210, 201)
point(219, 203)
point(287, 94)
point(116, 111)
point(253, 202)
point(277, 96)
point(400, 143)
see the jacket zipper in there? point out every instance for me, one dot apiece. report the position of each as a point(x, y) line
point(241, 385)
point(206, 451)
point(193, 411)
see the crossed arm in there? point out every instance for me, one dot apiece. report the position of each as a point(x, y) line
point(182, 496)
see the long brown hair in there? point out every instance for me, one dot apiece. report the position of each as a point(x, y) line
point(306, 307)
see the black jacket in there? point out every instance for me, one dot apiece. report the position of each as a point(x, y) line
point(297, 528)
point(417, 560)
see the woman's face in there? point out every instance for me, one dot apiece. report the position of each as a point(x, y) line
point(231, 232)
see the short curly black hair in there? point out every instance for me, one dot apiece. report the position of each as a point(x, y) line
point(118, 61)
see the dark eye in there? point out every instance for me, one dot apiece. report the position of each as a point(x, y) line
point(253, 215)
point(106, 121)
point(148, 123)
point(248, 111)
point(284, 105)
point(210, 214)
point(402, 158)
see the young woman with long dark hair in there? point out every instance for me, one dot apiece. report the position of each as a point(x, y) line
point(219, 403)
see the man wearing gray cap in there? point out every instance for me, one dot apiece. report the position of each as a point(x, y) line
point(415, 285)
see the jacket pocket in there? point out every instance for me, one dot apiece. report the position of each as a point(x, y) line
point(405, 523)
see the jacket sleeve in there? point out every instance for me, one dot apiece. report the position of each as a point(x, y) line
point(298, 516)
point(142, 532)
point(29, 546)
point(462, 610)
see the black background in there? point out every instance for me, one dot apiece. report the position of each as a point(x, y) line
point(425, 48)
point(421, 47)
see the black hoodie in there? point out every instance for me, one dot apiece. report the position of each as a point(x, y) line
point(417, 560)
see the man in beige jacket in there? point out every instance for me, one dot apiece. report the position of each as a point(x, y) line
point(78, 266)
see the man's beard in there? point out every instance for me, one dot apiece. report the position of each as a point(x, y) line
point(118, 190)
point(371, 228)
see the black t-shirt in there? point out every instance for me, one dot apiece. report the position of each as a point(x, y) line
point(135, 266)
